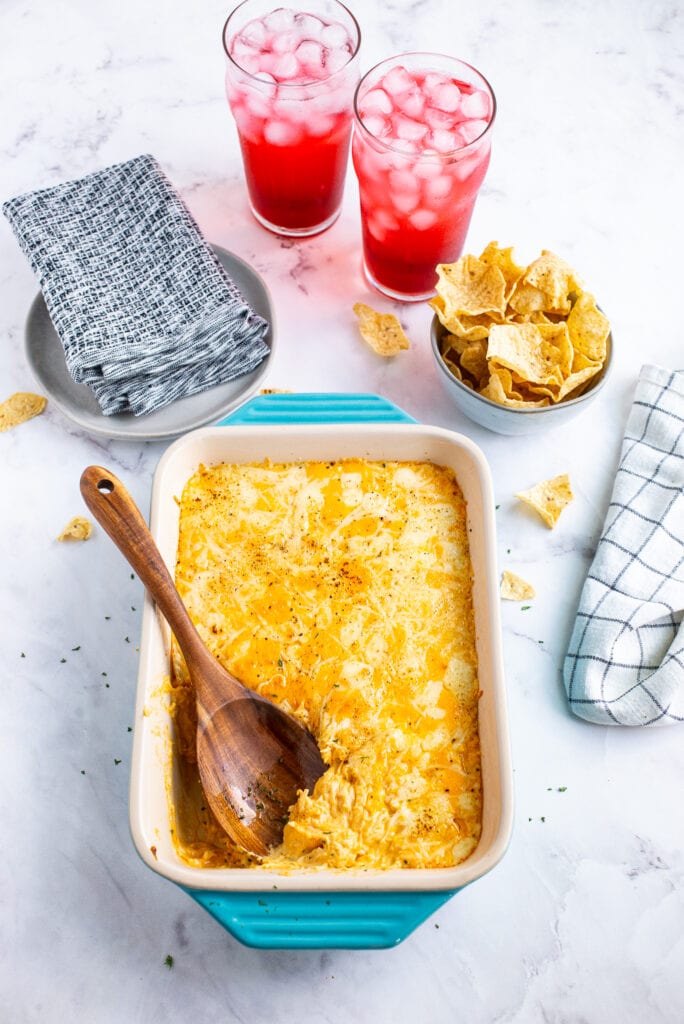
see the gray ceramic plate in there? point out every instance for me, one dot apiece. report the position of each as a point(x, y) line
point(46, 358)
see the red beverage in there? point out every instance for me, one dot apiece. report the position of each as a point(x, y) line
point(290, 81)
point(421, 150)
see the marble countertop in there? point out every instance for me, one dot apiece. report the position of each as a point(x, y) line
point(583, 920)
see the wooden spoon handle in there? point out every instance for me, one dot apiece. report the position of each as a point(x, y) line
point(119, 516)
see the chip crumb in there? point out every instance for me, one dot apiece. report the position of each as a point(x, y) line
point(382, 331)
point(515, 588)
point(20, 407)
point(275, 391)
point(79, 528)
point(549, 498)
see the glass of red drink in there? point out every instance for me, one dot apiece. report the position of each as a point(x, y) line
point(290, 83)
point(421, 146)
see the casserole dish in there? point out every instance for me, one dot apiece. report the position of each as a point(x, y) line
point(364, 909)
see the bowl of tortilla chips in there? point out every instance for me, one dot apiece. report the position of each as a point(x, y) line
point(518, 348)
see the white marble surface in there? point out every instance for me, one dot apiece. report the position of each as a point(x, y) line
point(582, 922)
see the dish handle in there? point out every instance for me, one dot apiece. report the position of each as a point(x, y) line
point(313, 407)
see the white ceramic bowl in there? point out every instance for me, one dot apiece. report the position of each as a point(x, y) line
point(502, 419)
point(149, 808)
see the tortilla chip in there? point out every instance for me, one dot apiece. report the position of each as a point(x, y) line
point(549, 498)
point(575, 380)
point(522, 349)
point(515, 588)
point(382, 331)
point(494, 256)
point(78, 528)
point(527, 299)
point(474, 361)
point(499, 389)
point(588, 328)
point(20, 407)
point(471, 287)
point(555, 277)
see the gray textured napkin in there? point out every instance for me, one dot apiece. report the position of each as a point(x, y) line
point(143, 308)
point(625, 662)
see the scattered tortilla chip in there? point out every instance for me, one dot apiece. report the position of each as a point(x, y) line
point(520, 336)
point(515, 588)
point(549, 498)
point(79, 528)
point(20, 407)
point(275, 391)
point(382, 331)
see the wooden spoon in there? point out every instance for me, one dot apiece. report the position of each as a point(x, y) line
point(252, 756)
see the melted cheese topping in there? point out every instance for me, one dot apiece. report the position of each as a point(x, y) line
point(342, 591)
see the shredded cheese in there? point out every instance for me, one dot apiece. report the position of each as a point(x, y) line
point(342, 591)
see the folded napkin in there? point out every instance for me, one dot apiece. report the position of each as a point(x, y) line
point(143, 308)
point(625, 663)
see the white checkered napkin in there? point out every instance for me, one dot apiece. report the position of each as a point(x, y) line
point(144, 310)
point(625, 663)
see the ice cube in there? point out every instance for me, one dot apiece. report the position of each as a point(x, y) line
point(397, 80)
point(438, 189)
point(406, 128)
point(281, 133)
point(334, 35)
point(308, 25)
point(254, 34)
point(285, 66)
point(311, 56)
point(411, 103)
point(475, 105)
point(403, 181)
point(445, 97)
point(257, 105)
point(280, 20)
point(463, 169)
point(249, 61)
point(336, 59)
point(387, 220)
point(405, 146)
point(444, 141)
point(423, 220)
point(376, 124)
point(428, 169)
point(433, 80)
point(438, 118)
point(375, 102)
point(471, 130)
point(405, 201)
point(319, 125)
point(285, 42)
point(240, 47)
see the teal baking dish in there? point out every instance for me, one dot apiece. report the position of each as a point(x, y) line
point(354, 910)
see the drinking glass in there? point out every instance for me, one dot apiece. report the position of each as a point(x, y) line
point(290, 83)
point(421, 148)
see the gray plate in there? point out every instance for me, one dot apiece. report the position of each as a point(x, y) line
point(46, 358)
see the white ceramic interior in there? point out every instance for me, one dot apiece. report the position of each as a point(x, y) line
point(149, 810)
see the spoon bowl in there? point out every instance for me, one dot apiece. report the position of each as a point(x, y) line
point(253, 757)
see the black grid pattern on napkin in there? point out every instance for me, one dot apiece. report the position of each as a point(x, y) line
point(625, 663)
point(143, 308)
